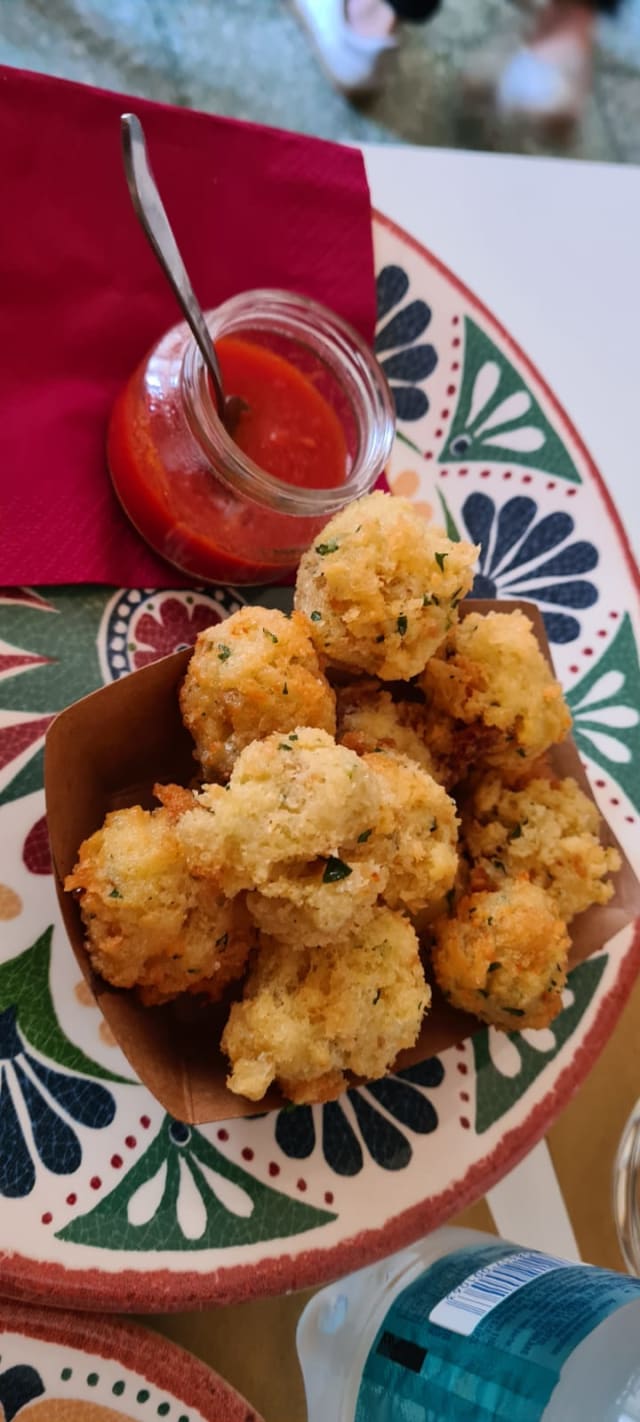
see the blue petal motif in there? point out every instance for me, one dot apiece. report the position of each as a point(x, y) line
point(579, 557)
point(392, 284)
point(386, 1145)
point(411, 403)
point(10, 1043)
point(517, 533)
point(86, 1101)
point(404, 327)
point(340, 1144)
point(478, 511)
point(561, 629)
point(514, 519)
point(17, 1174)
point(56, 1143)
point(576, 594)
point(18, 1386)
point(483, 587)
point(544, 536)
point(427, 1073)
point(409, 1106)
point(414, 363)
point(295, 1132)
point(398, 1096)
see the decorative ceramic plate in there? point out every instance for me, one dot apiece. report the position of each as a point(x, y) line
point(105, 1199)
point(67, 1367)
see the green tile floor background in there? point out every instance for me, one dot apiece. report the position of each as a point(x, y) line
point(248, 58)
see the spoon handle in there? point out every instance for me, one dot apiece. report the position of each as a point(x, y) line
point(151, 214)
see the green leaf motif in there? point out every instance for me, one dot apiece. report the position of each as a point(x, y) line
point(606, 719)
point(184, 1195)
point(498, 418)
point(24, 984)
point(62, 632)
point(450, 524)
point(495, 1093)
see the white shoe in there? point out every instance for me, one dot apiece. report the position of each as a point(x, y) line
point(353, 62)
point(548, 82)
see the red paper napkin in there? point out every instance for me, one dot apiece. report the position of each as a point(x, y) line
point(82, 298)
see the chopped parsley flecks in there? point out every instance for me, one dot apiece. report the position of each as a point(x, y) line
point(335, 869)
point(366, 834)
point(402, 624)
point(271, 635)
point(316, 617)
point(331, 547)
point(440, 557)
point(224, 652)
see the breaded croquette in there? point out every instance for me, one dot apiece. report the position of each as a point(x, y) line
point(547, 830)
point(315, 904)
point(256, 673)
point(290, 800)
point(382, 587)
point(415, 834)
point(491, 672)
point(504, 956)
point(370, 719)
point(149, 923)
point(310, 1015)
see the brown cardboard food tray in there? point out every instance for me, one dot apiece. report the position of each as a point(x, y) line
point(107, 751)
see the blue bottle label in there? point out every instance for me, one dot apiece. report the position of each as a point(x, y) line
point(483, 1334)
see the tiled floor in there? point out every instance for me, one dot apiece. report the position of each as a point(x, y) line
point(249, 58)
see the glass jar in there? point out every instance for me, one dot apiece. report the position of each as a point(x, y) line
point(202, 502)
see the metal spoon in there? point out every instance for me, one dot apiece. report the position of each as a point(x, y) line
point(153, 219)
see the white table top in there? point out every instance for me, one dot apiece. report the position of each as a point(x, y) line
point(552, 247)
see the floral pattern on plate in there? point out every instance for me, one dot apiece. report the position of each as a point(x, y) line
point(110, 1201)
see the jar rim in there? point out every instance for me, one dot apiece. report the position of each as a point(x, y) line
point(295, 315)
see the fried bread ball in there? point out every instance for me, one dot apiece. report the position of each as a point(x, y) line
point(149, 924)
point(381, 587)
point(256, 673)
point(290, 800)
point(369, 719)
point(504, 956)
point(415, 834)
point(308, 1016)
point(547, 830)
point(312, 905)
point(491, 671)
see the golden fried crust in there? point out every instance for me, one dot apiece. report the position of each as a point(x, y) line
point(503, 956)
point(308, 1016)
point(299, 906)
point(175, 799)
point(290, 800)
point(491, 672)
point(149, 924)
point(415, 835)
point(382, 587)
point(369, 719)
point(547, 830)
point(256, 673)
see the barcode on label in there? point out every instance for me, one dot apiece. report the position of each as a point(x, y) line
point(462, 1309)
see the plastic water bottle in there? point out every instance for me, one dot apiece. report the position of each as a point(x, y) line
point(464, 1327)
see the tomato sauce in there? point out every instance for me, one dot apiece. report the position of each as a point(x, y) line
point(171, 493)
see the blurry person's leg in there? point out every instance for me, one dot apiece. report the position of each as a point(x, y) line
point(549, 78)
point(353, 38)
